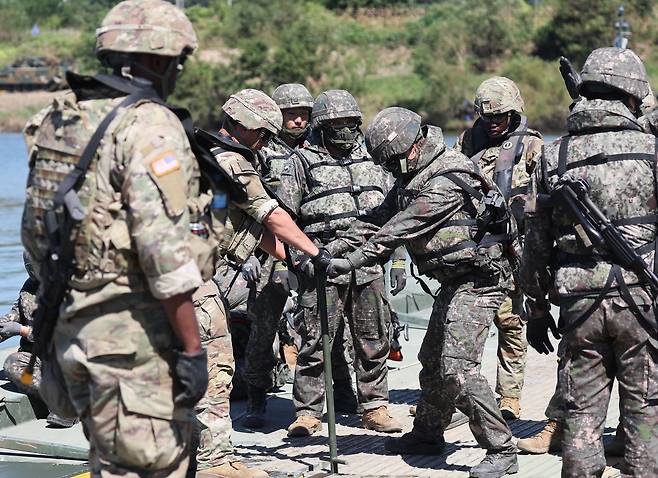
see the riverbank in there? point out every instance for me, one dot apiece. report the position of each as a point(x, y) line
point(17, 108)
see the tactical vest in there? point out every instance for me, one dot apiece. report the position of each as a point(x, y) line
point(340, 189)
point(103, 252)
point(631, 207)
point(241, 233)
point(271, 161)
point(456, 247)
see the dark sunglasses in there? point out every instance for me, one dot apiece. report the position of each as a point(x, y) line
point(495, 119)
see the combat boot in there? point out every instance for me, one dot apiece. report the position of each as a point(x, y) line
point(380, 420)
point(231, 469)
point(304, 426)
point(616, 446)
point(415, 443)
point(255, 417)
point(344, 397)
point(510, 408)
point(495, 465)
point(56, 421)
point(548, 439)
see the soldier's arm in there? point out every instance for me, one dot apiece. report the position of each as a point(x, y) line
point(459, 145)
point(266, 211)
point(158, 165)
point(533, 152)
point(423, 216)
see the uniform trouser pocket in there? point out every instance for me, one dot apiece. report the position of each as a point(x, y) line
point(651, 374)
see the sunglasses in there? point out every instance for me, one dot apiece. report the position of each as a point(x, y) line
point(495, 119)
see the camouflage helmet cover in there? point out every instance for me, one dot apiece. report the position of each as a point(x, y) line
point(616, 68)
point(498, 95)
point(254, 110)
point(335, 104)
point(146, 26)
point(292, 95)
point(391, 133)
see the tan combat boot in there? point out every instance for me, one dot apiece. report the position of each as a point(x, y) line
point(231, 469)
point(380, 420)
point(548, 439)
point(510, 407)
point(304, 426)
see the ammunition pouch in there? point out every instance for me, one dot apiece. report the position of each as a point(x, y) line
point(245, 240)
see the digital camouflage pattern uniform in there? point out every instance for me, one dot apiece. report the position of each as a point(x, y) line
point(327, 193)
point(475, 143)
point(242, 229)
point(113, 340)
point(423, 212)
point(609, 327)
point(266, 309)
point(22, 312)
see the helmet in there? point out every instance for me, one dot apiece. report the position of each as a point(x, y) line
point(146, 26)
point(615, 68)
point(390, 134)
point(292, 95)
point(498, 95)
point(334, 104)
point(253, 109)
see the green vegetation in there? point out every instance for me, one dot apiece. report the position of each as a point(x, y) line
point(426, 55)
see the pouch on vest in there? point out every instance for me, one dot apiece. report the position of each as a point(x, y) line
point(246, 238)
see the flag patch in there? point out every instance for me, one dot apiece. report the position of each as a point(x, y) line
point(165, 163)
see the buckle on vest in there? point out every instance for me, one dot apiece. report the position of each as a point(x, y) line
point(356, 189)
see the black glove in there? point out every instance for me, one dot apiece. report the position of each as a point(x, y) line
point(539, 322)
point(338, 267)
point(321, 260)
point(281, 277)
point(9, 329)
point(251, 269)
point(398, 276)
point(192, 375)
point(305, 266)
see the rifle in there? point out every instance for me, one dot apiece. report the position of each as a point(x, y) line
point(571, 78)
point(595, 229)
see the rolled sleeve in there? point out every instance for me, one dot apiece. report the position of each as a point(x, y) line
point(184, 279)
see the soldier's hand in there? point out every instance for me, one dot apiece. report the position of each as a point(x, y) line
point(281, 277)
point(539, 322)
point(338, 267)
point(398, 276)
point(321, 260)
point(192, 375)
point(9, 329)
point(251, 269)
point(305, 266)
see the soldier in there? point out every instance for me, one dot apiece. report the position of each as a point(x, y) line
point(255, 219)
point(328, 184)
point(605, 310)
point(272, 282)
point(432, 210)
point(18, 322)
point(506, 151)
point(126, 338)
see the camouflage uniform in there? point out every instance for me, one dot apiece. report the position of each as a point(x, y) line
point(327, 193)
point(604, 309)
point(113, 340)
point(22, 312)
point(477, 145)
point(428, 213)
point(242, 228)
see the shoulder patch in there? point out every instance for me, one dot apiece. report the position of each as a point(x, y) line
point(165, 163)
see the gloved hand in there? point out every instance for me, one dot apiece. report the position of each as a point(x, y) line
point(192, 375)
point(9, 329)
point(539, 322)
point(321, 260)
point(280, 276)
point(305, 266)
point(398, 276)
point(338, 267)
point(251, 269)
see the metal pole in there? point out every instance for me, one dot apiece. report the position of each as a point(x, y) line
point(180, 4)
point(321, 288)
